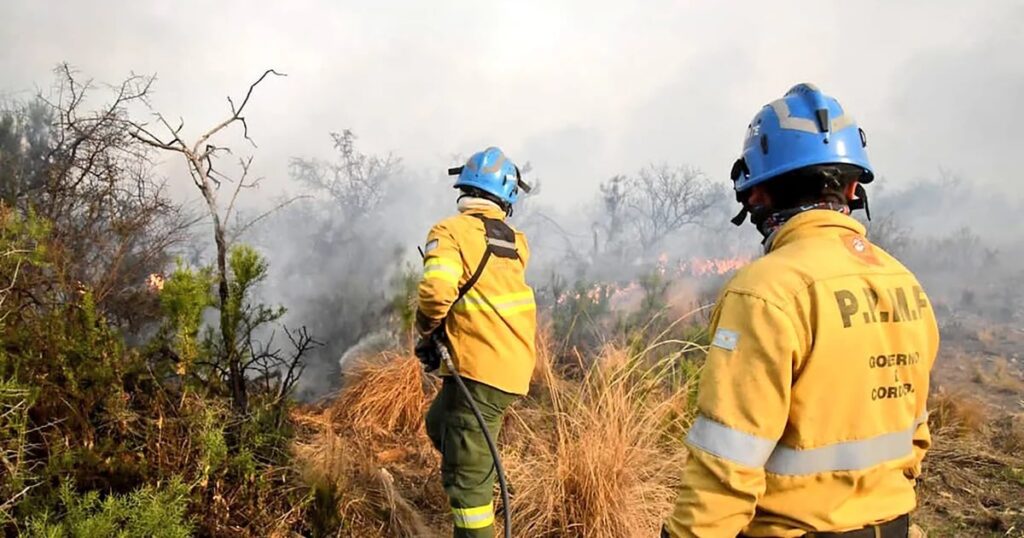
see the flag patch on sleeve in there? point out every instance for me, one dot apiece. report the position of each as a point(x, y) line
point(726, 339)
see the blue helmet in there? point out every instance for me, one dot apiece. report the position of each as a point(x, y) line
point(492, 172)
point(804, 128)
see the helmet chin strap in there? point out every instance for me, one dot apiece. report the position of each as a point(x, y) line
point(760, 214)
point(740, 217)
point(861, 200)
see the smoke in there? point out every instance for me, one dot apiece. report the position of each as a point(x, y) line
point(343, 269)
point(342, 255)
point(963, 241)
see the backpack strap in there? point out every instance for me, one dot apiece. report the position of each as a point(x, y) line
point(501, 242)
point(476, 276)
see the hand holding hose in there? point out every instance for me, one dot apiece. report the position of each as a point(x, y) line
point(428, 351)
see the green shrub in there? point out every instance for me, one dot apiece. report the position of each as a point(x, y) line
point(185, 295)
point(404, 287)
point(147, 512)
point(213, 446)
point(15, 401)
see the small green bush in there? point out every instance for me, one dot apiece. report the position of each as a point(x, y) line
point(15, 402)
point(147, 512)
point(186, 294)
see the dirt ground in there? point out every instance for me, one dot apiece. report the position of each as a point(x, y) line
point(973, 482)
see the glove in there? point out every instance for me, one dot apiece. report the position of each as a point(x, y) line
point(428, 351)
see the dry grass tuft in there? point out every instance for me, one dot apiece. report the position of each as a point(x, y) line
point(598, 462)
point(543, 369)
point(366, 456)
point(1010, 434)
point(986, 335)
point(957, 413)
point(998, 376)
point(1004, 379)
point(403, 518)
point(385, 395)
point(969, 489)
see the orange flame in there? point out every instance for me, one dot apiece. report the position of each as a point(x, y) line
point(155, 283)
point(711, 266)
point(694, 267)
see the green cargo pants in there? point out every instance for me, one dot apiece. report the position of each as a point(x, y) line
point(467, 468)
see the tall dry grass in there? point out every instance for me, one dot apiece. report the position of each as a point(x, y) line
point(597, 456)
point(366, 455)
point(957, 413)
point(601, 459)
point(385, 395)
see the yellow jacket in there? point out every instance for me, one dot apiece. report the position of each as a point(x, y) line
point(812, 412)
point(492, 329)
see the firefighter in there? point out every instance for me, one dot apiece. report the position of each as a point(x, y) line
point(812, 405)
point(474, 290)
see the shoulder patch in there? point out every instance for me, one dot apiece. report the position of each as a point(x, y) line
point(431, 245)
point(861, 248)
point(725, 339)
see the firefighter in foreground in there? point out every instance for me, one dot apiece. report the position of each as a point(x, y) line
point(474, 291)
point(812, 417)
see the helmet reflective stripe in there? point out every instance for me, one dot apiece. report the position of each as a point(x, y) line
point(492, 172)
point(787, 121)
point(490, 169)
point(804, 128)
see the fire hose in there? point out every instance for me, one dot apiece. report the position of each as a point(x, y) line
point(491, 445)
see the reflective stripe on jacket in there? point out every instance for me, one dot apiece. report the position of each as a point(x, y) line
point(812, 404)
point(493, 328)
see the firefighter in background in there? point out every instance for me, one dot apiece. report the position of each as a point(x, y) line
point(474, 290)
point(812, 405)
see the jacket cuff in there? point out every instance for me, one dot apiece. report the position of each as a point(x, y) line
point(425, 324)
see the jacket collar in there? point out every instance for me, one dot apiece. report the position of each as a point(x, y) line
point(813, 222)
point(480, 206)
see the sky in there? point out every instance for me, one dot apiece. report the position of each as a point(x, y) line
point(581, 89)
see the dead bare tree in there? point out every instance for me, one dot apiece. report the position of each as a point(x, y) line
point(662, 199)
point(79, 169)
point(356, 183)
point(201, 157)
point(614, 196)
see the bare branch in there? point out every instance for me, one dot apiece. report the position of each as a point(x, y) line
point(302, 343)
point(174, 132)
point(236, 113)
point(244, 228)
point(253, 87)
point(140, 133)
point(245, 164)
